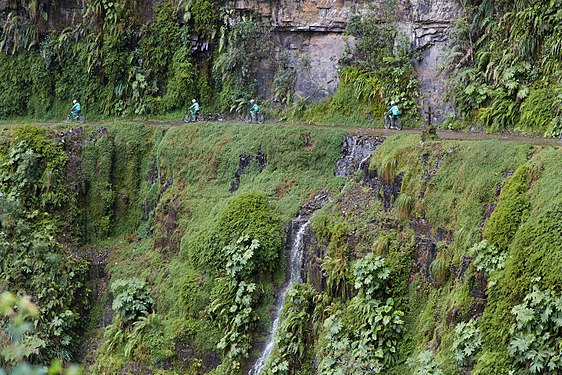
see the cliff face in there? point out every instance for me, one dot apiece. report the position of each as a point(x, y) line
point(311, 35)
point(310, 40)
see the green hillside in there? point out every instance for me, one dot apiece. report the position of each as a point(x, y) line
point(156, 249)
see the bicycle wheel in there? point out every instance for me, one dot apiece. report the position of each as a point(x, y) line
point(68, 118)
point(260, 118)
point(386, 123)
point(398, 124)
point(188, 117)
point(81, 119)
point(248, 118)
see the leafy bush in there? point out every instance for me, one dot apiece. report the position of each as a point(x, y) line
point(488, 257)
point(362, 340)
point(423, 364)
point(240, 50)
point(131, 299)
point(293, 336)
point(234, 298)
point(501, 57)
point(247, 214)
point(33, 199)
point(371, 275)
point(468, 341)
point(380, 68)
point(536, 334)
point(17, 318)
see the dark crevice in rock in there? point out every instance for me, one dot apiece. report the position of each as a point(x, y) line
point(244, 162)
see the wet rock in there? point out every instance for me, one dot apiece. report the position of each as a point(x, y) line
point(463, 267)
point(355, 152)
point(477, 308)
point(152, 176)
point(261, 159)
point(478, 284)
point(314, 204)
point(454, 316)
point(425, 254)
point(244, 161)
point(307, 140)
point(167, 238)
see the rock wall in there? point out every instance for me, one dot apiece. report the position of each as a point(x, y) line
point(311, 43)
point(310, 33)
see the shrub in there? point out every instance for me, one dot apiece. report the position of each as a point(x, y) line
point(131, 299)
point(536, 334)
point(468, 341)
point(371, 275)
point(294, 332)
point(488, 257)
point(423, 364)
point(248, 214)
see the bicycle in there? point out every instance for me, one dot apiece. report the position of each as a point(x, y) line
point(388, 121)
point(78, 118)
point(257, 118)
point(191, 116)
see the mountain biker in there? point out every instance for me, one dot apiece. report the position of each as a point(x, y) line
point(75, 109)
point(254, 109)
point(195, 108)
point(393, 113)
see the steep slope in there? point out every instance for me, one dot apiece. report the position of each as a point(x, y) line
point(436, 256)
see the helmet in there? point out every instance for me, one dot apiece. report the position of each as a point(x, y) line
point(74, 101)
point(193, 101)
point(252, 100)
point(392, 102)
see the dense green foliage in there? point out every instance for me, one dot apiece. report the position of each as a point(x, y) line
point(234, 300)
point(468, 341)
point(536, 333)
point(362, 337)
point(34, 256)
point(460, 274)
point(16, 327)
point(506, 63)
point(131, 299)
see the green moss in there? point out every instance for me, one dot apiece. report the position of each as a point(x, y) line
point(247, 214)
point(512, 209)
point(533, 253)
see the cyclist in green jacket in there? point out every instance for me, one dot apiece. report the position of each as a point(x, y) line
point(76, 109)
point(254, 109)
point(195, 108)
point(394, 111)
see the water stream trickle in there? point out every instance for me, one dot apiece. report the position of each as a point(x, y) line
point(295, 265)
point(356, 150)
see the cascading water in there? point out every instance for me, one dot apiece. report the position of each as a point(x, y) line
point(295, 265)
point(356, 150)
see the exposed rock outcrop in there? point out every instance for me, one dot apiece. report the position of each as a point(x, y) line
point(310, 36)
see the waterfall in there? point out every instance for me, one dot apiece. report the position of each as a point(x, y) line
point(356, 151)
point(295, 265)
